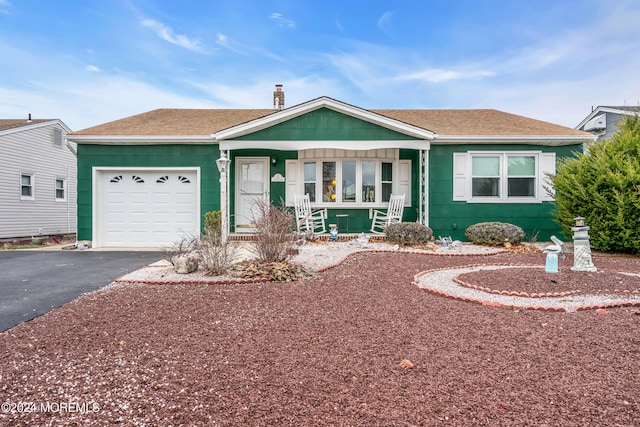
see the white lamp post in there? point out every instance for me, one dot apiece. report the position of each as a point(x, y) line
point(223, 168)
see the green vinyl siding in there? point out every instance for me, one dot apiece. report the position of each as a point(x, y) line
point(451, 218)
point(144, 156)
point(325, 125)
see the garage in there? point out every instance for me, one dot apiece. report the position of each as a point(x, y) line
point(145, 208)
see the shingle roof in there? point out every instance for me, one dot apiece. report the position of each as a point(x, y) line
point(16, 123)
point(178, 122)
point(193, 122)
point(478, 122)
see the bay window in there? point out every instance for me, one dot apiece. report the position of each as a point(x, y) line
point(349, 181)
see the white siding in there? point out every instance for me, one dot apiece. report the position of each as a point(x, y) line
point(31, 150)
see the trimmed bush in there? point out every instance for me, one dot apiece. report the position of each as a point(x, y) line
point(603, 186)
point(408, 233)
point(494, 233)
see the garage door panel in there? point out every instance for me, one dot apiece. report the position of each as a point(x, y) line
point(147, 208)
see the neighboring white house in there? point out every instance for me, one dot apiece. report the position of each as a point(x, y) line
point(602, 122)
point(37, 178)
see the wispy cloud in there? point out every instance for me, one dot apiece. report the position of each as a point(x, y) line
point(228, 43)
point(384, 22)
point(167, 34)
point(235, 46)
point(439, 75)
point(92, 68)
point(4, 7)
point(282, 21)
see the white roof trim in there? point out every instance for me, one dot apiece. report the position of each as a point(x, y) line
point(323, 102)
point(529, 140)
point(306, 145)
point(29, 126)
point(599, 110)
point(141, 139)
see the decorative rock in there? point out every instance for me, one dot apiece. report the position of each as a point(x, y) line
point(185, 264)
point(601, 312)
point(406, 364)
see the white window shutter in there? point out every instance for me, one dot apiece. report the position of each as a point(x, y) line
point(547, 166)
point(404, 180)
point(460, 176)
point(291, 181)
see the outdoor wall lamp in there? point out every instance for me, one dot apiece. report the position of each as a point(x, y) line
point(273, 161)
point(223, 163)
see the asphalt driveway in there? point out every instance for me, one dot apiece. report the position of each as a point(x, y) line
point(34, 282)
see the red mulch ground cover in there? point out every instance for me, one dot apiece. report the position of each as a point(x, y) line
point(608, 278)
point(326, 351)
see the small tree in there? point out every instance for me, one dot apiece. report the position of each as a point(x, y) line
point(274, 232)
point(603, 186)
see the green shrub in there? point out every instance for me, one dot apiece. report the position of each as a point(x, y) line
point(603, 186)
point(408, 233)
point(213, 223)
point(494, 233)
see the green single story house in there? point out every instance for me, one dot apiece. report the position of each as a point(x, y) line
point(145, 180)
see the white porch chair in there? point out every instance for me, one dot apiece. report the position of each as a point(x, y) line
point(306, 219)
point(392, 215)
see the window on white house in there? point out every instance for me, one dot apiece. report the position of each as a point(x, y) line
point(26, 186)
point(60, 189)
point(57, 137)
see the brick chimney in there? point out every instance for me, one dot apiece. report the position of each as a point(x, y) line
point(278, 98)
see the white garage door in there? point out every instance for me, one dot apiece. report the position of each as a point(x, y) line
point(146, 208)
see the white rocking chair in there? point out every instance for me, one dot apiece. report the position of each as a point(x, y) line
point(308, 221)
point(392, 215)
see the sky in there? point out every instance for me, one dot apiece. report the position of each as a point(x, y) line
point(88, 62)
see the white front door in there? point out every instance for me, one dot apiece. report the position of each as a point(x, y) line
point(252, 185)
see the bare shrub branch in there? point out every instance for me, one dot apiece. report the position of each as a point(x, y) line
point(187, 244)
point(275, 237)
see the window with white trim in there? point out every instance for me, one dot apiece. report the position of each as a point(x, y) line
point(346, 182)
point(61, 187)
point(502, 176)
point(27, 191)
point(348, 178)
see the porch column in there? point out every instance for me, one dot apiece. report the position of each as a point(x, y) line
point(423, 188)
point(223, 168)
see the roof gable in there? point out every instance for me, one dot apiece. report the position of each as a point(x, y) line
point(328, 125)
point(605, 109)
point(326, 103)
point(8, 126)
